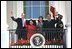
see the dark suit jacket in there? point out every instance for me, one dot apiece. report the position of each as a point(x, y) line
point(20, 31)
point(19, 22)
point(60, 24)
point(49, 24)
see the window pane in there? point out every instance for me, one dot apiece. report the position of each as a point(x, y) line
point(42, 11)
point(35, 3)
point(42, 3)
point(28, 3)
point(34, 9)
point(28, 12)
point(36, 12)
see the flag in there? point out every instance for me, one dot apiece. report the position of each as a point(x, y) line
point(53, 8)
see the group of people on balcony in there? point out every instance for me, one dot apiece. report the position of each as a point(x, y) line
point(25, 31)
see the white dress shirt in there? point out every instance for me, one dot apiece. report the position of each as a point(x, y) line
point(23, 22)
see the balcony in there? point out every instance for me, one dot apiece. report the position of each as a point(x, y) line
point(54, 38)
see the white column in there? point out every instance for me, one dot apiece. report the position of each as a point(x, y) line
point(9, 9)
point(11, 6)
point(15, 14)
point(4, 26)
point(68, 12)
point(19, 8)
point(68, 23)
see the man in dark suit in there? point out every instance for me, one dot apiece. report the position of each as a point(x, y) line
point(49, 26)
point(20, 31)
point(60, 27)
point(60, 23)
point(49, 23)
